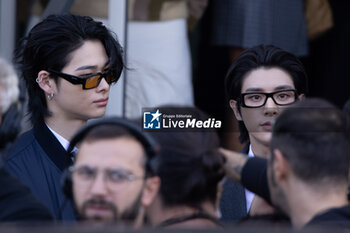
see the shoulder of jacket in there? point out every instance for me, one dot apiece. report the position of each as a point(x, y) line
point(23, 143)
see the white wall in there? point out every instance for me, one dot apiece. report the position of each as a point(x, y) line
point(7, 28)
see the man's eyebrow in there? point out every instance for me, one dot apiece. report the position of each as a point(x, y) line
point(257, 89)
point(254, 89)
point(284, 87)
point(90, 67)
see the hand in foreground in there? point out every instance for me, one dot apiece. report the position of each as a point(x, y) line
point(235, 161)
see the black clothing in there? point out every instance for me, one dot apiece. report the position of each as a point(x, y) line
point(275, 220)
point(38, 160)
point(200, 215)
point(17, 203)
point(254, 177)
point(335, 218)
point(233, 200)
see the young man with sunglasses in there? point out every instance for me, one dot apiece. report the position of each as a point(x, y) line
point(68, 63)
point(262, 82)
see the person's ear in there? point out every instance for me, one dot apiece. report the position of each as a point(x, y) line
point(233, 105)
point(149, 193)
point(150, 190)
point(280, 165)
point(301, 97)
point(46, 83)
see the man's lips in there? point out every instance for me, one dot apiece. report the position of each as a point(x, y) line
point(101, 102)
point(96, 209)
point(266, 126)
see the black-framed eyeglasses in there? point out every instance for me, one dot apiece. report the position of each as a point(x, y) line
point(114, 179)
point(88, 81)
point(258, 99)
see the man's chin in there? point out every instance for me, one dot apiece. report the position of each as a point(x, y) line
point(263, 137)
point(98, 218)
point(98, 214)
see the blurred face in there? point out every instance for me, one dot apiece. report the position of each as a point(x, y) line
point(258, 121)
point(71, 101)
point(108, 179)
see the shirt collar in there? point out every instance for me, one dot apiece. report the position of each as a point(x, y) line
point(250, 153)
point(64, 142)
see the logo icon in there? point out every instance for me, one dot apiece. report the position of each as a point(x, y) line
point(152, 120)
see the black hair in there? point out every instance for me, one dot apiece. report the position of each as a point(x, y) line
point(48, 46)
point(267, 56)
point(312, 136)
point(188, 163)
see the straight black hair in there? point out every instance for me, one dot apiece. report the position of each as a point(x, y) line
point(48, 46)
point(267, 56)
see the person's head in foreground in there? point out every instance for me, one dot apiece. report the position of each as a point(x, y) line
point(190, 168)
point(112, 180)
point(309, 163)
point(260, 84)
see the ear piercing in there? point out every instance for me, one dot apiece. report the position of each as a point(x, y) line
point(38, 80)
point(50, 96)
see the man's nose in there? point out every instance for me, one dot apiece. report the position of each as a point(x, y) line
point(270, 108)
point(103, 85)
point(99, 186)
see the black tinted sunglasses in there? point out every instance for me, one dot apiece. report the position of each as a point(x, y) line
point(88, 81)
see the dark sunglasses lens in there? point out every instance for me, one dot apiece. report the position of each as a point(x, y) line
point(92, 82)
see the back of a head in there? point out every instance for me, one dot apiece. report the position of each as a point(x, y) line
point(312, 136)
point(267, 56)
point(189, 166)
point(49, 45)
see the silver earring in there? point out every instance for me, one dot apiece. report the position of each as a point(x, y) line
point(38, 80)
point(50, 96)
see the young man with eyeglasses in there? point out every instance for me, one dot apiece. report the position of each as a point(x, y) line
point(306, 172)
point(68, 63)
point(112, 179)
point(263, 81)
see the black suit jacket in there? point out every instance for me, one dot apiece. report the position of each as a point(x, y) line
point(17, 203)
point(38, 160)
point(233, 200)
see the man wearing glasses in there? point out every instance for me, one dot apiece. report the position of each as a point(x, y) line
point(68, 63)
point(112, 179)
point(262, 82)
point(306, 174)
